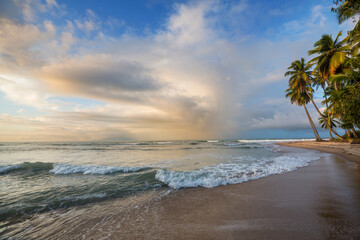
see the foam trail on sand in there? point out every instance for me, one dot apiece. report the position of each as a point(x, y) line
point(237, 171)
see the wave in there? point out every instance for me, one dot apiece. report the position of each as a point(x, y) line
point(9, 168)
point(233, 172)
point(56, 168)
point(163, 143)
point(241, 145)
point(35, 166)
point(101, 170)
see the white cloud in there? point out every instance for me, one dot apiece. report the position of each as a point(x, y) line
point(25, 92)
point(188, 26)
point(30, 8)
point(187, 80)
point(90, 23)
point(318, 16)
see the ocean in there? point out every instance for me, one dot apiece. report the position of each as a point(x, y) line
point(36, 178)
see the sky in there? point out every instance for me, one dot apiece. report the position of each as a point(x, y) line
point(117, 70)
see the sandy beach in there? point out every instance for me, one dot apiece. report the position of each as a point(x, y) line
point(348, 151)
point(320, 201)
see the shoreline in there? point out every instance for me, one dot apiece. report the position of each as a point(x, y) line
point(319, 201)
point(350, 152)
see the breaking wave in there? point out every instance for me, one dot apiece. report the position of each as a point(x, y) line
point(71, 169)
point(234, 172)
point(67, 168)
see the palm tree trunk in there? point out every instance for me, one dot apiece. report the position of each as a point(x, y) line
point(322, 116)
point(331, 137)
point(348, 133)
point(354, 132)
point(318, 138)
point(329, 123)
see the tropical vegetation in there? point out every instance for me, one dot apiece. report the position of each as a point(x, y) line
point(335, 67)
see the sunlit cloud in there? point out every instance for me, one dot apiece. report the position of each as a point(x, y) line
point(190, 78)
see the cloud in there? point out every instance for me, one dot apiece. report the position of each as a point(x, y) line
point(30, 8)
point(17, 42)
point(318, 16)
point(25, 92)
point(99, 76)
point(188, 79)
point(282, 120)
point(90, 23)
point(188, 25)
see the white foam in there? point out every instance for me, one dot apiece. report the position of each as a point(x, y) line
point(236, 171)
point(242, 145)
point(163, 142)
point(212, 141)
point(70, 169)
point(8, 168)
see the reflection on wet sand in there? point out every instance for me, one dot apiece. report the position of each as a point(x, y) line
point(339, 199)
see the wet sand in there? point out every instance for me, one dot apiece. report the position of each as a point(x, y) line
point(321, 201)
point(348, 151)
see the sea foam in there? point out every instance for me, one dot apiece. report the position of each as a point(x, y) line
point(233, 172)
point(9, 168)
point(71, 169)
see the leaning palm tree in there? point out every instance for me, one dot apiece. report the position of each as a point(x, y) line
point(300, 78)
point(330, 121)
point(331, 55)
point(301, 99)
point(317, 82)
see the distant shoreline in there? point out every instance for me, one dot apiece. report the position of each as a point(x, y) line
point(348, 151)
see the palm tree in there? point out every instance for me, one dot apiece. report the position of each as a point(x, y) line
point(330, 121)
point(301, 99)
point(350, 78)
point(300, 78)
point(331, 55)
point(321, 82)
point(349, 9)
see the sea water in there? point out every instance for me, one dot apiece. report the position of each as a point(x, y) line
point(40, 177)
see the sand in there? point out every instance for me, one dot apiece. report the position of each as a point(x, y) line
point(348, 151)
point(321, 201)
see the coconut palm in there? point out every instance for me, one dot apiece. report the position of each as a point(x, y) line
point(300, 78)
point(346, 10)
point(345, 102)
point(317, 82)
point(301, 99)
point(330, 121)
point(331, 55)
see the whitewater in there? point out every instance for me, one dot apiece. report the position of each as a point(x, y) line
point(40, 177)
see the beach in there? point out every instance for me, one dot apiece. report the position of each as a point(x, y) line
point(320, 201)
point(348, 151)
